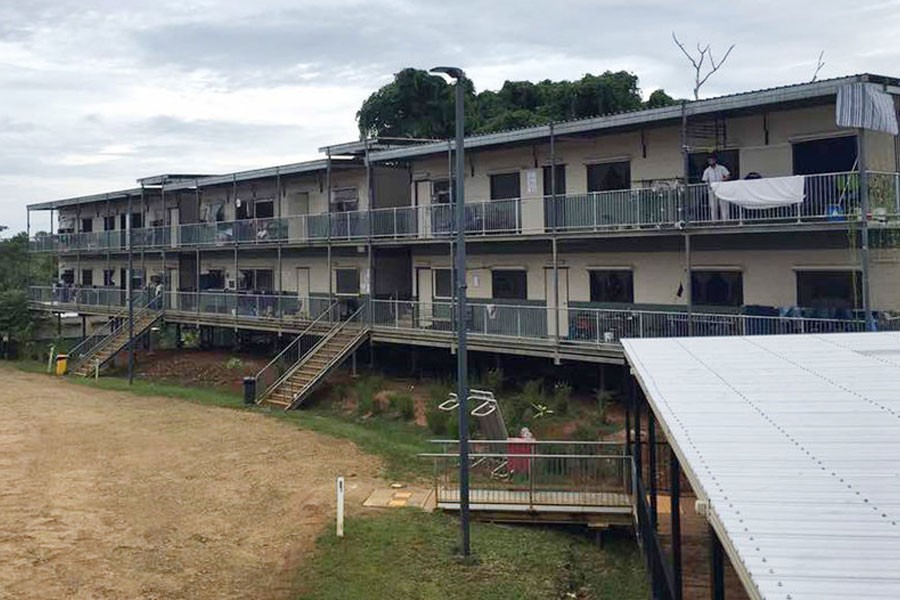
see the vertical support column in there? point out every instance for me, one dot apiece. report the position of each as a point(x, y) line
point(79, 280)
point(717, 566)
point(328, 220)
point(675, 485)
point(556, 310)
point(636, 400)
point(83, 327)
point(28, 249)
point(653, 475)
point(128, 288)
point(370, 196)
point(689, 283)
point(864, 250)
point(552, 210)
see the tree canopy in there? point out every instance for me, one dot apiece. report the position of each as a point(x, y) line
point(420, 105)
point(17, 322)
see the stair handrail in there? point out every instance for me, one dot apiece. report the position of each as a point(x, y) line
point(325, 339)
point(272, 363)
point(78, 360)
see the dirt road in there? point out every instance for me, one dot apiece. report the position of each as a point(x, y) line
point(110, 495)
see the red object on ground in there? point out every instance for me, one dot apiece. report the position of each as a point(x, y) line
point(518, 449)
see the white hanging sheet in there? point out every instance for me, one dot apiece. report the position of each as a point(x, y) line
point(760, 194)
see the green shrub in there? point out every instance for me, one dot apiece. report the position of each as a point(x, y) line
point(366, 389)
point(604, 399)
point(585, 432)
point(234, 363)
point(562, 394)
point(493, 380)
point(438, 420)
point(405, 405)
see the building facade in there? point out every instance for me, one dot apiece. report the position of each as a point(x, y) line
point(579, 233)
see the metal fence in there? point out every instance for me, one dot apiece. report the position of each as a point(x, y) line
point(530, 475)
point(833, 197)
point(585, 326)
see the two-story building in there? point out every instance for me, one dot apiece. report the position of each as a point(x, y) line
point(579, 233)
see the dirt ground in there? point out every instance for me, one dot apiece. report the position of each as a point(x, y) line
point(108, 495)
point(207, 368)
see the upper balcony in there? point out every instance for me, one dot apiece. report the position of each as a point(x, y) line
point(828, 198)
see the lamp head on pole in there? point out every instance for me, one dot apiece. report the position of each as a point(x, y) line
point(452, 72)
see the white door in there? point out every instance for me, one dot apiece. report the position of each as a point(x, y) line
point(557, 318)
point(423, 208)
point(303, 291)
point(174, 229)
point(297, 209)
point(425, 293)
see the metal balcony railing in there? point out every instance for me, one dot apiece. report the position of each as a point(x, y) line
point(578, 326)
point(832, 197)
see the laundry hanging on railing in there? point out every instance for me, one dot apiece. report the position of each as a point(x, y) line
point(866, 106)
point(760, 194)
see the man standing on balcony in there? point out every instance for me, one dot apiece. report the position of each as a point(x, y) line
point(713, 173)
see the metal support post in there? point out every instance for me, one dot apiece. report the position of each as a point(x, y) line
point(651, 448)
point(864, 250)
point(689, 283)
point(675, 487)
point(129, 288)
point(717, 566)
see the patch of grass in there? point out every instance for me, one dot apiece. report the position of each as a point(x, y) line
point(438, 420)
point(404, 405)
point(408, 554)
point(397, 443)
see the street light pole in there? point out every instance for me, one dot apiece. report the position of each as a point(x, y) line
point(462, 375)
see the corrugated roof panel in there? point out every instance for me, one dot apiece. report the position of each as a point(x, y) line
point(795, 443)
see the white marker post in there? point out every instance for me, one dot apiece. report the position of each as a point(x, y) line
point(340, 507)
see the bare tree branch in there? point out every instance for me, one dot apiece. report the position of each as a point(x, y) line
point(702, 52)
point(821, 63)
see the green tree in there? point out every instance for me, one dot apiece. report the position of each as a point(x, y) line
point(416, 104)
point(659, 99)
point(17, 322)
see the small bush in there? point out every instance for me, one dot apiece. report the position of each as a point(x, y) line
point(234, 363)
point(585, 432)
point(405, 405)
point(366, 389)
point(604, 399)
point(493, 380)
point(562, 394)
point(438, 420)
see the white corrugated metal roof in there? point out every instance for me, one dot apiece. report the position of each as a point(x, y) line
point(795, 442)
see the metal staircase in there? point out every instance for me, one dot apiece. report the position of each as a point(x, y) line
point(298, 369)
point(107, 341)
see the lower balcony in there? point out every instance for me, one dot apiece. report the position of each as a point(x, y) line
point(540, 327)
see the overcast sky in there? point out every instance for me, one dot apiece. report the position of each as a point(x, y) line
point(96, 93)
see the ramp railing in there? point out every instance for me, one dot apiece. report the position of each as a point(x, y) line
point(533, 475)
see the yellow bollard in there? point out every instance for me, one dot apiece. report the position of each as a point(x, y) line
point(62, 363)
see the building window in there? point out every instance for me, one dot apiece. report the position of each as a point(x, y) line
point(606, 177)
point(560, 180)
point(109, 223)
point(344, 200)
point(137, 220)
point(829, 289)
point(87, 225)
point(87, 277)
point(730, 159)
point(509, 284)
point(68, 276)
point(259, 280)
point(443, 286)
point(214, 279)
point(829, 155)
point(264, 209)
point(717, 288)
point(440, 191)
point(347, 282)
point(505, 186)
point(612, 285)
point(108, 275)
